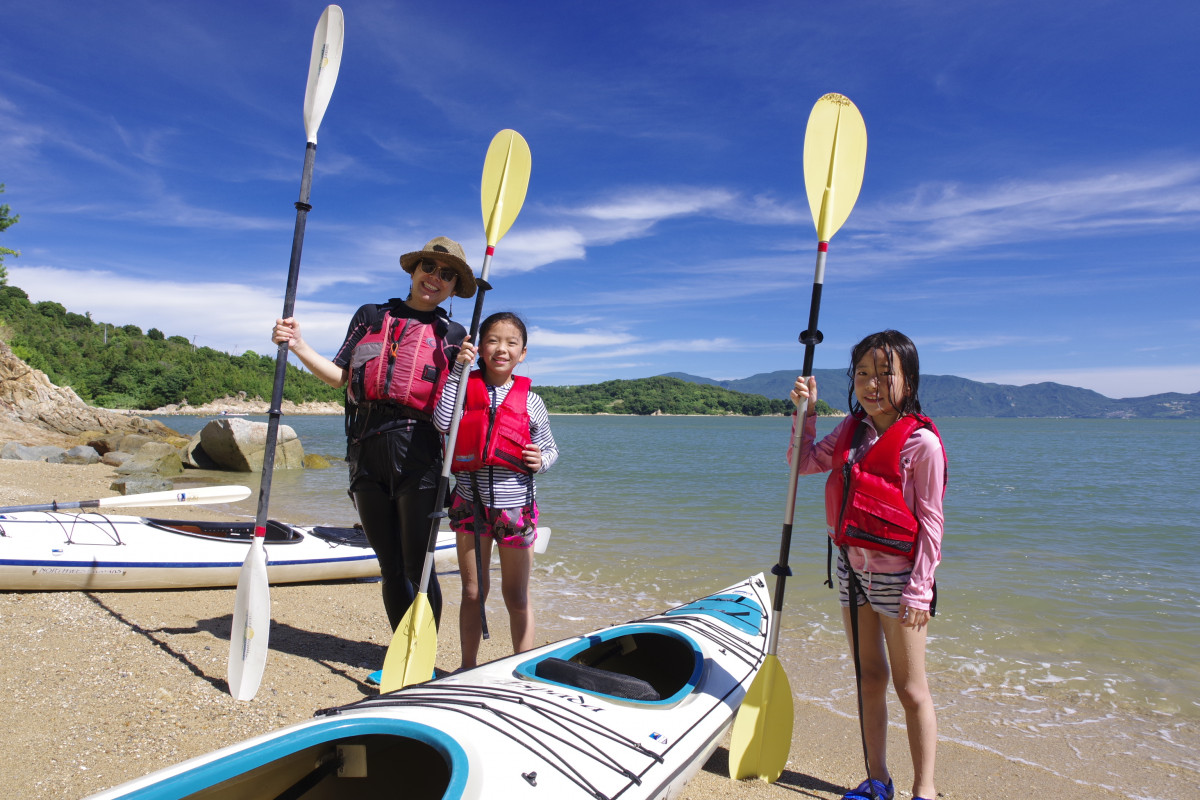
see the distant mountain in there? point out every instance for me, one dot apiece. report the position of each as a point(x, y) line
point(950, 396)
point(831, 383)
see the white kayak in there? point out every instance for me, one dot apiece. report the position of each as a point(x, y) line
point(632, 711)
point(56, 551)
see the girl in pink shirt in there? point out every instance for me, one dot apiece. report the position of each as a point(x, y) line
point(895, 591)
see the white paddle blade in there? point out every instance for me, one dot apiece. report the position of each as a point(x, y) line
point(179, 497)
point(323, 68)
point(249, 638)
point(542, 541)
point(835, 156)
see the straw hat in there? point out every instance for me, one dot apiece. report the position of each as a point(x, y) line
point(446, 253)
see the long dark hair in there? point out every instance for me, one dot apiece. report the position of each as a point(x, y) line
point(890, 342)
point(494, 319)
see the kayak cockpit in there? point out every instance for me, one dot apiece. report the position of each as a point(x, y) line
point(277, 532)
point(643, 663)
point(638, 663)
point(364, 758)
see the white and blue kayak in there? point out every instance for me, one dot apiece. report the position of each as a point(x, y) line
point(630, 711)
point(57, 551)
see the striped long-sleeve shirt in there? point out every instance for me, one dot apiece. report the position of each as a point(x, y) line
point(500, 487)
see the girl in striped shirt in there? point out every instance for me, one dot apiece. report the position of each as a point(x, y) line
point(494, 496)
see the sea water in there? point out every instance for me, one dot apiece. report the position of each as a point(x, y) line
point(1068, 593)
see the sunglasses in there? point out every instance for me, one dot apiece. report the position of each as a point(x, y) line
point(447, 274)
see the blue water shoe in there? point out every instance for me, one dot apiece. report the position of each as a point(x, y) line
point(376, 677)
point(871, 789)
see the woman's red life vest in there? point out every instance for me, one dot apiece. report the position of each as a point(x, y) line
point(872, 513)
point(492, 436)
point(401, 362)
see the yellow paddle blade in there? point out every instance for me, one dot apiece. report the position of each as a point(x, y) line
point(762, 731)
point(413, 651)
point(505, 180)
point(835, 155)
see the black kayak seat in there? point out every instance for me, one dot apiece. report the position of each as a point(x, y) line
point(594, 679)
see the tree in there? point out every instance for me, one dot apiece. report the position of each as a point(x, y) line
point(5, 223)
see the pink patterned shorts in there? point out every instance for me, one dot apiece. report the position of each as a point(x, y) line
point(510, 527)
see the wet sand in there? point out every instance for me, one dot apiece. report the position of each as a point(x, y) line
point(104, 687)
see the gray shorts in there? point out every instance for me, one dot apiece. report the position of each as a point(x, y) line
point(882, 589)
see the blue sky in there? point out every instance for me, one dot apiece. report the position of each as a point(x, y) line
point(1030, 210)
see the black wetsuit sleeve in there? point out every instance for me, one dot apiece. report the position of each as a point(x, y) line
point(455, 334)
point(360, 323)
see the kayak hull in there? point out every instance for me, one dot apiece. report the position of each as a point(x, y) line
point(56, 551)
point(630, 711)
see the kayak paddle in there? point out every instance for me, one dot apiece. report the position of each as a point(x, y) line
point(413, 650)
point(252, 611)
point(835, 154)
point(175, 497)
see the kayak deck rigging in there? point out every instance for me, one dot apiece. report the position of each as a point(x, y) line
point(277, 532)
point(628, 711)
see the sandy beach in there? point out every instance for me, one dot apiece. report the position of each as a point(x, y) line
point(104, 687)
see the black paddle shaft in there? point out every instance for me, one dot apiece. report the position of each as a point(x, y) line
point(439, 509)
point(811, 337)
point(281, 356)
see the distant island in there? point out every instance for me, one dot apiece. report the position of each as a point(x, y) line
point(664, 394)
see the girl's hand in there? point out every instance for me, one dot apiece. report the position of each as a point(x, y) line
point(915, 618)
point(466, 352)
point(286, 330)
point(533, 457)
point(802, 390)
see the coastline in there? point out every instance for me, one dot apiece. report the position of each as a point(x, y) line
point(232, 406)
point(105, 687)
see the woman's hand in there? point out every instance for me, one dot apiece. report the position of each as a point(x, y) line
point(286, 330)
point(802, 390)
point(532, 456)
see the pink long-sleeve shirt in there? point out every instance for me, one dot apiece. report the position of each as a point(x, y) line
point(922, 480)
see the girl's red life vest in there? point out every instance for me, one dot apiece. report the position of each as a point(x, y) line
point(872, 513)
point(402, 362)
point(492, 436)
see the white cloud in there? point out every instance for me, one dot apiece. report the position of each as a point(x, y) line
point(229, 317)
point(655, 204)
point(955, 344)
point(597, 353)
point(527, 249)
point(948, 218)
point(587, 339)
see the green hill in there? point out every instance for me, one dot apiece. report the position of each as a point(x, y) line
point(663, 394)
point(114, 366)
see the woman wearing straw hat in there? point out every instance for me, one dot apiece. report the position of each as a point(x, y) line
point(393, 363)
